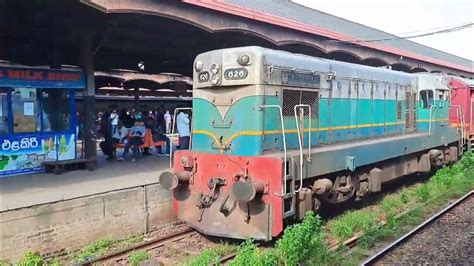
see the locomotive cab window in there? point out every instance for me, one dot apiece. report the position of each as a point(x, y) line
point(426, 99)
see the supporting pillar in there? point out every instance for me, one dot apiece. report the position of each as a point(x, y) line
point(87, 59)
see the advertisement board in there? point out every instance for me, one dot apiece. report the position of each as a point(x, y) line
point(24, 153)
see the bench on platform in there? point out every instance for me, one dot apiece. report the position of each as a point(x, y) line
point(147, 142)
point(58, 167)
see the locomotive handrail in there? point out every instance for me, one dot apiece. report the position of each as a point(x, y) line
point(172, 133)
point(432, 107)
point(300, 140)
point(460, 118)
point(284, 144)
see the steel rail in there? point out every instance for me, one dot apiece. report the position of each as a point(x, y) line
point(407, 236)
point(147, 245)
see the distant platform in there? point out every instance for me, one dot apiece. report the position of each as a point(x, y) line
point(34, 189)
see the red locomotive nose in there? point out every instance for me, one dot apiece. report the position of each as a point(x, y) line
point(170, 181)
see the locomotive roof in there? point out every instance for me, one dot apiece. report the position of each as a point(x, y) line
point(310, 63)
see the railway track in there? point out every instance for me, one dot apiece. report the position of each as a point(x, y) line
point(381, 255)
point(121, 255)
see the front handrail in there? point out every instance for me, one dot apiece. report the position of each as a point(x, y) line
point(172, 133)
point(460, 119)
point(261, 107)
point(302, 106)
point(432, 107)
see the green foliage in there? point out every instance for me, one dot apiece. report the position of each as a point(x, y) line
point(4, 263)
point(247, 254)
point(422, 192)
point(212, 255)
point(207, 257)
point(301, 241)
point(31, 259)
point(404, 198)
point(269, 258)
point(98, 247)
point(350, 222)
point(136, 257)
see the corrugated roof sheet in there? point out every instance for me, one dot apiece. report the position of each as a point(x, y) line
point(292, 11)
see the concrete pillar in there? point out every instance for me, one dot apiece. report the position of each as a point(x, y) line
point(87, 60)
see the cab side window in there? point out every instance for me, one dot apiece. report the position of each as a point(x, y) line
point(426, 99)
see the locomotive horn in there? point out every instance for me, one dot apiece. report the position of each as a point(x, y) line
point(246, 191)
point(170, 181)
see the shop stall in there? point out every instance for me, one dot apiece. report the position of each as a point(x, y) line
point(38, 120)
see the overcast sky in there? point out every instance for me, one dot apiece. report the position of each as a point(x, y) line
point(402, 17)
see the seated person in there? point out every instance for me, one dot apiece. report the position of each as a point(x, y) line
point(137, 132)
point(121, 134)
point(159, 136)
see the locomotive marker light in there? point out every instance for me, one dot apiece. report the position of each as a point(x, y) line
point(244, 60)
point(170, 181)
point(246, 191)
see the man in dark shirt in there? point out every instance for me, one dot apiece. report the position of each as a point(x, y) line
point(105, 131)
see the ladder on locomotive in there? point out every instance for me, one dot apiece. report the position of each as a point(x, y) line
point(290, 196)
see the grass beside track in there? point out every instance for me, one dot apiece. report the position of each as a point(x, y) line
point(395, 214)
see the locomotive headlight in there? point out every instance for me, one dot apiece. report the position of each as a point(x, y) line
point(198, 65)
point(244, 60)
point(215, 69)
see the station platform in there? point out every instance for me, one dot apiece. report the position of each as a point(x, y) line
point(34, 189)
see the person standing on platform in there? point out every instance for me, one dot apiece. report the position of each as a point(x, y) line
point(182, 121)
point(167, 118)
point(105, 130)
point(114, 118)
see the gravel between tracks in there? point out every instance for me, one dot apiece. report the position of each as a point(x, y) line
point(447, 241)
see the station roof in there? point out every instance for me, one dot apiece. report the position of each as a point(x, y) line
point(295, 12)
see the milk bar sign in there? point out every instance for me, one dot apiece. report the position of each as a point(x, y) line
point(300, 79)
point(41, 78)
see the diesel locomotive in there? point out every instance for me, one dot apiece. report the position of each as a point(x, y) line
point(277, 134)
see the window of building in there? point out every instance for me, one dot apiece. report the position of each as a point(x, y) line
point(25, 107)
point(3, 111)
point(56, 114)
point(426, 99)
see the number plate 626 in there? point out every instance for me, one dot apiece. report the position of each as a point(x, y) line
point(236, 73)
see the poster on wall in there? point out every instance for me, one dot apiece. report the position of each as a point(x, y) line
point(24, 154)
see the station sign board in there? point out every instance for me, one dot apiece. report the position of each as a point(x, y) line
point(41, 78)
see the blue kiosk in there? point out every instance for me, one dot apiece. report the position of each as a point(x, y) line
point(38, 123)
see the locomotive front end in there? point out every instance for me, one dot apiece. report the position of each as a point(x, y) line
point(227, 196)
point(222, 186)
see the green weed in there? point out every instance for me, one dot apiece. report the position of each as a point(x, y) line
point(301, 241)
point(31, 259)
point(404, 198)
point(422, 192)
point(248, 254)
point(207, 257)
point(95, 248)
point(350, 222)
point(136, 257)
